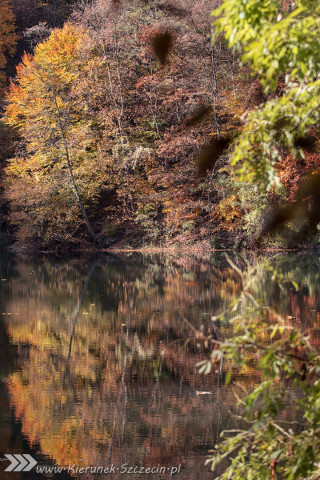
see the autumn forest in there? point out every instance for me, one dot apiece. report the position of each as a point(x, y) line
point(111, 114)
point(159, 230)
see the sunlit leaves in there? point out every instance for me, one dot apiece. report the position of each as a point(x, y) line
point(275, 41)
point(44, 105)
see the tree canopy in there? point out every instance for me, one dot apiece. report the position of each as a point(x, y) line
point(44, 106)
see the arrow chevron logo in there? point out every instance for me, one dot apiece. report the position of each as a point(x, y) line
point(20, 463)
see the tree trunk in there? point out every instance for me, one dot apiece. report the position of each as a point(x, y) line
point(73, 182)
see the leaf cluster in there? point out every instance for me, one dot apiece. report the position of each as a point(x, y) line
point(277, 43)
point(270, 446)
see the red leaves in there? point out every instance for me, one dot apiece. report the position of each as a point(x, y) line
point(197, 115)
point(291, 170)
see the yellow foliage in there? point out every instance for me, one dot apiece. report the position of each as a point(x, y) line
point(228, 211)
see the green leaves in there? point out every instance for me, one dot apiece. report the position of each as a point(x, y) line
point(228, 377)
point(274, 42)
point(271, 447)
point(204, 366)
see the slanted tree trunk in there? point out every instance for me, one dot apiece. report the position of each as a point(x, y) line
point(69, 164)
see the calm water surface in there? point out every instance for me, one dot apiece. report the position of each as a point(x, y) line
point(98, 358)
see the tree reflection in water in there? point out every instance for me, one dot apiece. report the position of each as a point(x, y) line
point(105, 372)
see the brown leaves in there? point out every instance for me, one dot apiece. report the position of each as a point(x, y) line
point(116, 4)
point(211, 152)
point(8, 37)
point(174, 10)
point(198, 115)
point(162, 43)
point(305, 211)
point(310, 187)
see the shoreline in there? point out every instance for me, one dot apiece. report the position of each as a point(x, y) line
point(195, 249)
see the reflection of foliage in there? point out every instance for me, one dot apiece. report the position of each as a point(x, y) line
point(272, 447)
point(115, 378)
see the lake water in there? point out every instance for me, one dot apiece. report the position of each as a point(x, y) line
point(98, 358)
